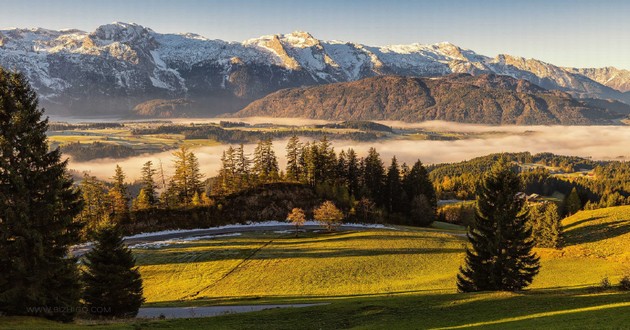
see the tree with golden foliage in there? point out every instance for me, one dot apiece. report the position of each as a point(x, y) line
point(297, 218)
point(328, 215)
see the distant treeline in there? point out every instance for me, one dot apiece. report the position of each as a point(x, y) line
point(217, 133)
point(81, 152)
point(58, 126)
point(360, 125)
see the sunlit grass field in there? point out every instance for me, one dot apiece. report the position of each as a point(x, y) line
point(268, 265)
point(265, 266)
point(373, 279)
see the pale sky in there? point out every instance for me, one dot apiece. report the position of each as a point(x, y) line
point(576, 33)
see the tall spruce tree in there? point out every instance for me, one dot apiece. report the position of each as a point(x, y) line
point(38, 204)
point(187, 178)
point(96, 205)
point(374, 177)
point(148, 183)
point(265, 167)
point(393, 188)
point(119, 196)
point(113, 286)
point(416, 183)
point(242, 169)
point(294, 153)
point(352, 172)
point(501, 257)
point(572, 203)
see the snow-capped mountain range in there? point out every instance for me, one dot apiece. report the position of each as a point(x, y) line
point(119, 65)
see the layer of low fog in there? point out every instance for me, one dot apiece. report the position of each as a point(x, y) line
point(598, 142)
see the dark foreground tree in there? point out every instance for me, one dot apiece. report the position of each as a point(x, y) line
point(113, 286)
point(37, 206)
point(501, 257)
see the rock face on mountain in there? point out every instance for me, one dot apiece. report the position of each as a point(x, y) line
point(609, 76)
point(118, 66)
point(484, 99)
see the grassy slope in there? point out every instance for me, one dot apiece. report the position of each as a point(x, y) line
point(274, 265)
point(399, 279)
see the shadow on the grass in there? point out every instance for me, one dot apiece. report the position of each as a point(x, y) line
point(596, 232)
point(550, 308)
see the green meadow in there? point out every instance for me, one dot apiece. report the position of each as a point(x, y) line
point(372, 279)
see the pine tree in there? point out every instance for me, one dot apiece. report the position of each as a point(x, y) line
point(119, 196)
point(546, 224)
point(96, 205)
point(294, 153)
point(374, 177)
point(187, 178)
point(265, 167)
point(38, 204)
point(148, 183)
point(225, 181)
point(242, 169)
point(501, 257)
point(572, 203)
point(352, 172)
point(393, 188)
point(142, 202)
point(416, 183)
point(113, 286)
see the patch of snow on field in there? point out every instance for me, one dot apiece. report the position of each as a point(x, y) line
point(251, 225)
point(160, 244)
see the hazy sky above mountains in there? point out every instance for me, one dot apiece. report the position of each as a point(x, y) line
point(577, 33)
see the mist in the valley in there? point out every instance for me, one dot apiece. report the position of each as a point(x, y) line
point(597, 142)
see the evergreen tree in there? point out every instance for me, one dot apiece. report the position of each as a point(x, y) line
point(38, 204)
point(142, 202)
point(352, 172)
point(572, 203)
point(119, 196)
point(225, 182)
point(242, 169)
point(546, 224)
point(416, 183)
point(113, 286)
point(304, 161)
point(394, 190)
point(96, 205)
point(374, 177)
point(501, 257)
point(187, 179)
point(341, 168)
point(294, 153)
point(265, 167)
point(148, 183)
point(421, 212)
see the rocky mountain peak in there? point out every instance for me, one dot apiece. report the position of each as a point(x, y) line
point(123, 32)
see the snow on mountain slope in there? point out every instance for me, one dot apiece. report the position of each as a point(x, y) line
point(122, 64)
